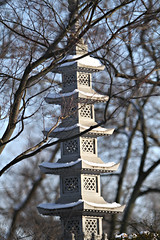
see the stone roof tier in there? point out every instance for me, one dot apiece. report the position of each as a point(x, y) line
point(88, 96)
point(79, 63)
point(76, 129)
point(79, 165)
point(88, 208)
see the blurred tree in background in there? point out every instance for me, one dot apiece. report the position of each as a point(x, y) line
point(35, 37)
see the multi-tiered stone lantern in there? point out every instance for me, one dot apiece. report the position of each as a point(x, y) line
point(80, 206)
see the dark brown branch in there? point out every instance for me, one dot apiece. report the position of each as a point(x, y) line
point(148, 191)
point(41, 146)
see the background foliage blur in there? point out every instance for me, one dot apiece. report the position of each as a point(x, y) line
point(35, 37)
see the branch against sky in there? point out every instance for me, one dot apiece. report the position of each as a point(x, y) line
point(53, 55)
point(21, 206)
point(48, 60)
point(3, 2)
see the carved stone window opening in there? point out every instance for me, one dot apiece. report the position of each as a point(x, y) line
point(88, 145)
point(86, 111)
point(70, 147)
point(70, 184)
point(92, 226)
point(90, 184)
point(84, 79)
point(68, 79)
point(73, 226)
point(70, 108)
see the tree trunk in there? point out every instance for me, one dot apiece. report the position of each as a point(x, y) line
point(129, 207)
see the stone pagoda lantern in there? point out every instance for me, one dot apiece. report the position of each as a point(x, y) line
point(80, 206)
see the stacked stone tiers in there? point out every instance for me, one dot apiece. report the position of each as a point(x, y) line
point(80, 205)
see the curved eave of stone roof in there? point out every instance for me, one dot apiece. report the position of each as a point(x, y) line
point(75, 67)
point(79, 206)
point(88, 97)
point(99, 131)
point(103, 208)
point(71, 131)
point(79, 63)
point(79, 165)
point(58, 209)
point(103, 168)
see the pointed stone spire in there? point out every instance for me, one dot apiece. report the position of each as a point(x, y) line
point(73, 6)
point(80, 48)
